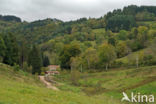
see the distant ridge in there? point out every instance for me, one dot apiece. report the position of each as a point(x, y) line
point(10, 18)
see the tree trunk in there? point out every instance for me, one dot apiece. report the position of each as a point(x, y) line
point(81, 67)
point(88, 64)
point(71, 69)
point(106, 67)
point(137, 61)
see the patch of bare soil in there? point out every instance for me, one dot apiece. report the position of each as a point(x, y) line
point(48, 84)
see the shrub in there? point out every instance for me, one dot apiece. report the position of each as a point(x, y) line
point(149, 60)
point(26, 67)
point(16, 67)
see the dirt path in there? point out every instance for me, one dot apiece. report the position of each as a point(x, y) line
point(48, 84)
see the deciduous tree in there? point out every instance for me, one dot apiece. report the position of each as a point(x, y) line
point(106, 54)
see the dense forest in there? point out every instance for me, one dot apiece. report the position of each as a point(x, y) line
point(121, 38)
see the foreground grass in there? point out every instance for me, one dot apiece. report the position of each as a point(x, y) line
point(93, 88)
point(113, 82)
point(22, 88)
point(20, 93)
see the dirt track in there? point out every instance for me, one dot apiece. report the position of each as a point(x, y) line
point(48, 84)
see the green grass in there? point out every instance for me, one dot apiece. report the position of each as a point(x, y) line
point(113, 82)
point(19, 88)
point(94, 88)
point(126, 60)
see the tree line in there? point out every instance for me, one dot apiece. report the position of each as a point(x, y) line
point(102, 50)
point(81, 44)
point(21, 54)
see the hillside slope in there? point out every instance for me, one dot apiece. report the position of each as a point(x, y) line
point(113, 82)
point(22, 88)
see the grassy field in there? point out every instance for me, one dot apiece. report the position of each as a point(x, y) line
point(93, 88)
point(22, 88)
point(113, 82)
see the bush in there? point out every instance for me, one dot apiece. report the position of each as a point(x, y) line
point(149, 60)
point(26, 67)
point(16, 67)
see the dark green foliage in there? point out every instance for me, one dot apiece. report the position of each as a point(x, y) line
point(149, 60)
point(131, 10)
point(2, 47)
point(43, 30)
point(115, 12)
point(35, 60)
point(128, 26)
point(10, 18)
point(38, 31)
point(11, 53)
point(16, 67)
point(46, 61)
point(24, 51)
point(150, 9)
point(126, 18)
point(68, 52)
point(133, 33)
point(119, 22)
point(112, 41)
point(145, 16)
point(134, 45)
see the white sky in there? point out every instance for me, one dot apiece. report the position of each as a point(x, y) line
point(65, 10)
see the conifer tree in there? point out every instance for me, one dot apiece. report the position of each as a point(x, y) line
point(46, 61)
point(2, 48)
point(35, 60)
point(11, 52)
point(24, 51)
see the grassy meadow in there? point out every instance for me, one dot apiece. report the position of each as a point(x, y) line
point(23, 88)
point(92, 88)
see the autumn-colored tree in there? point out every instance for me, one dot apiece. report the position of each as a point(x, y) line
point(91, 57)
point(106, 54)
point(142, 35)
point(122, 49)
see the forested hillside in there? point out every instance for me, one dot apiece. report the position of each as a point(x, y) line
point(94, 43)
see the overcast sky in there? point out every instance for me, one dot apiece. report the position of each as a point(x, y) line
point(65, 10)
